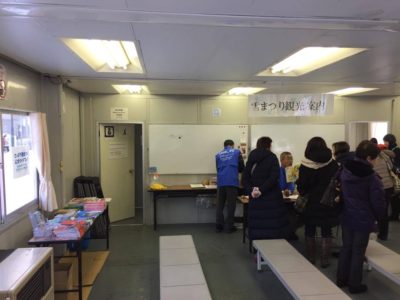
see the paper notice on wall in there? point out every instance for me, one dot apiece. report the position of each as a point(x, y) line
point(118, 150)
point(20, 161)
point(119, 113)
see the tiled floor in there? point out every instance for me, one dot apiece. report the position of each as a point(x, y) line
point(132, 269)
point(136, 220)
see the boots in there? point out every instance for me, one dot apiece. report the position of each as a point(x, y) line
point(326, 244)
point(310, 249)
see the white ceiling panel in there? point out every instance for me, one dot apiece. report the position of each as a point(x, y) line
point(370, 9)
point(206, 47)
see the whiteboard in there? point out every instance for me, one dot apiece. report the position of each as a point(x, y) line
point(190, 149)
point(294, 138)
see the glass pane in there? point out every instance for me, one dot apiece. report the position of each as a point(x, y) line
point(19, 173)
point(378, 130)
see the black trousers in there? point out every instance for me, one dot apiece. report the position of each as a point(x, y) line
point(228, 195)
point(384, 223)
point(395, 204)
point(351, 259)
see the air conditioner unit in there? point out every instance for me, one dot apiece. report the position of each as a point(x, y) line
point(27, 274)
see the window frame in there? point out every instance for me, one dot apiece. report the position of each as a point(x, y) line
point(7, 220)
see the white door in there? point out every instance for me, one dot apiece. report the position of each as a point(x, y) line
point(117, 169)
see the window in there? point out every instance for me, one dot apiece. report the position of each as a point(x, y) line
point(378, 130)
point(18, 175)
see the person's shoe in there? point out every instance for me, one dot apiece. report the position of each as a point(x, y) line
point(232, 229)
point(341, 283)
point(358, 289)
point(326, 244)
point(219, 229)
point(293, 237)
point(310, 249)
point(382, 238)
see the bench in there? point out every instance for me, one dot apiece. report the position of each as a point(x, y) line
point(301, 278)
point(384, 260)
point(181, 275)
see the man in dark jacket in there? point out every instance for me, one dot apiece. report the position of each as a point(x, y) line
point(390, 143)
point(363, 205)
point(229, 163)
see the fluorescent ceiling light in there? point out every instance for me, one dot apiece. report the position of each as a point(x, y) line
point(309, 59)
point(107, 56)
point(244, 91)
point(12, 84)
point(130, 88)
point(351, 90)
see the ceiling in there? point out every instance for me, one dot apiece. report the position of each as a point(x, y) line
point(207, 47)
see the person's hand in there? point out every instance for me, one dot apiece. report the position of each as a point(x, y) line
point(256, 192)
point(286, 193)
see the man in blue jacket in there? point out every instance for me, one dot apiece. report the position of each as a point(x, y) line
point(229, 164)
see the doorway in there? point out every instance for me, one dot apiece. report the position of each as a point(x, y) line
point(121, 169)
point(359, 131)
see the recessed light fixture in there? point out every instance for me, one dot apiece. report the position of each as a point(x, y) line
point(15, 85)
point(107, 56)
point(130, 88)
point(309, 59)
point(244, 91)
point(351, 91)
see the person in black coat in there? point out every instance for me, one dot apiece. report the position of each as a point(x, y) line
point(315, 172)
point(391, 144)
point(364, 204)
point(267, 212)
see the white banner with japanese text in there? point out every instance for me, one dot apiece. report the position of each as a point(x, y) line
point(286, 105)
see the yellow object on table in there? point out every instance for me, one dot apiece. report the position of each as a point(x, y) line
point(157, 186)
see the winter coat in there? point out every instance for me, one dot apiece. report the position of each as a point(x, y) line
point(362, 195)
point(315, 173)
point(396, 150)
point(267, 214)
point(342, 158)
point(382, 166)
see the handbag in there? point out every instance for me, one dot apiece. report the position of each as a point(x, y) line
point(396, 182)
point(301, 203)
point(395, 177)
point(331, 196)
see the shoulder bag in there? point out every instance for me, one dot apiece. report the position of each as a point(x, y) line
point(395, 178)
point(331, 196)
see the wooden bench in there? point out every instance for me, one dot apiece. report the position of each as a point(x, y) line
point(383, 260)
point(301, 278)
point(181, 275)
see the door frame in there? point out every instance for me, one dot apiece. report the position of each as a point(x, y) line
point(98, 163)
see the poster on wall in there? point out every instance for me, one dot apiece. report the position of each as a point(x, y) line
point(288, 105)
point(118, 150)
point(3, 82)
point(20, 161)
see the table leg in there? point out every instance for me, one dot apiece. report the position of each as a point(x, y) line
point(108, 229)
point(155, 210)
point(79, 254)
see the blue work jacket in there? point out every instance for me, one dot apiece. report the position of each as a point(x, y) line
point(228, 167)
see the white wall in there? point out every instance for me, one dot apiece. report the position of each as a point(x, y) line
point(71, 143)
point(152, 109)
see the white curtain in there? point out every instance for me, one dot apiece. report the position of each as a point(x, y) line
point(47, 195)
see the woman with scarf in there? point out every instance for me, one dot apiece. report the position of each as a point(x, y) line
point(316, 170)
